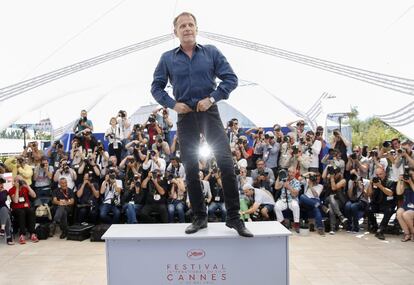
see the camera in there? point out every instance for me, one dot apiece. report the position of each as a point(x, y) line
point(313, 177)
point(214, 169)
point(375, 180)
point(240, 141)
point(58, 144)
point(387, 144)
point(353, 177)
point(406, 174)
point(283, 175)
point(330, 169)
point(130, 160)
point(400, 151)
point(122, 114)
point(160, 140)
point(110, 164)
point(21, 183)
point(136, 178)
point(112, 175)
point(152, 153)
point(151, 119)
point(230, 124)
point(335, 133)
point(42, 165)
point(263, 173)
point(295, 149)
point(154, 173)
point(137, 127)
point(286, 139)
point(353, 155)
point(331, 152)
point(373, 153)
point(237, 171)
point(100, 149)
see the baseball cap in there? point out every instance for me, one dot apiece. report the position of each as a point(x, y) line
point(247, 186)
point(270, 134)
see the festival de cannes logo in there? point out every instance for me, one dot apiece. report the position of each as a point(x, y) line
point(196, 254)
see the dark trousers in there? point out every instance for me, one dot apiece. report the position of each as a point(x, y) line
point(61, 216)
point(189, 127)
point(26, 220)
point(87, 214)
point(160, 209)
point(387, 209)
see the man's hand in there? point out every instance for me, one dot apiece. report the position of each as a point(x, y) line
point(182, 108)
point(204, 105)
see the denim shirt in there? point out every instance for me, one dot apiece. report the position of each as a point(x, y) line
point(193, 79)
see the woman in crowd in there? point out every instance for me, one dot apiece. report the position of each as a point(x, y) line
point(114, 136)
point(405, 214)
point(21, 209)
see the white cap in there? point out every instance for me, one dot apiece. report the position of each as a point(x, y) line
point(247, 186)
point(270, 134)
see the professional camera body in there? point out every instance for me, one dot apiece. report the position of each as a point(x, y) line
point(406, 174)
point(283, 175)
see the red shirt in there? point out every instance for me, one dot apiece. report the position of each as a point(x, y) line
point(24, 201)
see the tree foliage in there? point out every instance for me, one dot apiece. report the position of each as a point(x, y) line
point(372, 132)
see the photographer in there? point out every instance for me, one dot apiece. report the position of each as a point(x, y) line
point(358, 162)
point(56, 153)
point(335, 195)
point(176, 168)
point(312, 149)
point(101, 160)
point(165, 123)
point(310, 199)
point(270, 150)
point(76, 153)
point(66, 172)
point(154, 162)
point(243, 179)
point(33, 154)
point(216, 186)
point(358, 200)
point(375, 160)
point(298, 159)
point(82, 124)
point(162, 148)
point(87, 200)
point(257, 134)
point(43, 174)
point(262, 176)
point(289, 188)
point(233, 131)
point(381, 191)
point(131, 168)
point(137, 133)
point(111, 191)
point(285, 152)
point(177, 198)
point(333, 157)
point(133, 200)
point(405, 214)
point(297, 130)
point(125, 127)
point(262, 201)
point(153, 128)
point(114, 137)
point(20, 195)
point(88, 165)
point(341, 144)
point(18, 166)
point(405, 155)
point(88, 141)
point(64, 199)
point(155, 201)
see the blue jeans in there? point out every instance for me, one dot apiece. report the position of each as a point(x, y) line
point(104, 211)
point(176, 206)
point(352, 210)
point(131, 211)
point(312, 206)
point(213, 207)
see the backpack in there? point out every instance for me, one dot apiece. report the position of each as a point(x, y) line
point(42, 231)
point(43, 211)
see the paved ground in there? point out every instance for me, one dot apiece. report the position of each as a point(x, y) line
point(340, 259)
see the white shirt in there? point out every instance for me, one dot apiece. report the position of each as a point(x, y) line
point(317, 188)
point(263, 197)
point(151, 165)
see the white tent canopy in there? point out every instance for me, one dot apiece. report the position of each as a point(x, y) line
point(47, 35)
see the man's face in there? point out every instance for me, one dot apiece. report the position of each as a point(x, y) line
point(395, 144)
point(248, 192)
point(84, 114)
point(291, 173)
point(63, 183)
point(260, 165)
point(380, 174)
point(186, 30)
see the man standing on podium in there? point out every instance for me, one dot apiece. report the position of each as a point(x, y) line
point(192, 69)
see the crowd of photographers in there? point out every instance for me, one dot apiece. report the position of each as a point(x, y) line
point(292, 177)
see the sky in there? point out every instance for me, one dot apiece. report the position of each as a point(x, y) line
point(41, 36)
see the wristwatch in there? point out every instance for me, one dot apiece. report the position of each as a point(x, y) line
point(212, 100)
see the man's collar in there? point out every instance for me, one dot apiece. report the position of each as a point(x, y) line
point(197, 46)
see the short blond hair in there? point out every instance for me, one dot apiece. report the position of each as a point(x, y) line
point(184, 14)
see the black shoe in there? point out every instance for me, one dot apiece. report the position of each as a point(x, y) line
point(196, 225)
point(239, 226)
point(380, 235)
point(52, 229)
point(63, 235)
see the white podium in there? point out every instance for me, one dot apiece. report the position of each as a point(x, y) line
point(162, 254)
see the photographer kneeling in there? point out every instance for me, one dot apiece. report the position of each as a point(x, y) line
point(405, 214)
point(262, 201)
point(111, 191)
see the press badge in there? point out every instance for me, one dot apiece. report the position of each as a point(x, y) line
point(157, 197)
point(390, 198)
point(217, 199)
point(115, 145)
point(131, 202)
point(411, 206)
point(21, 200)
